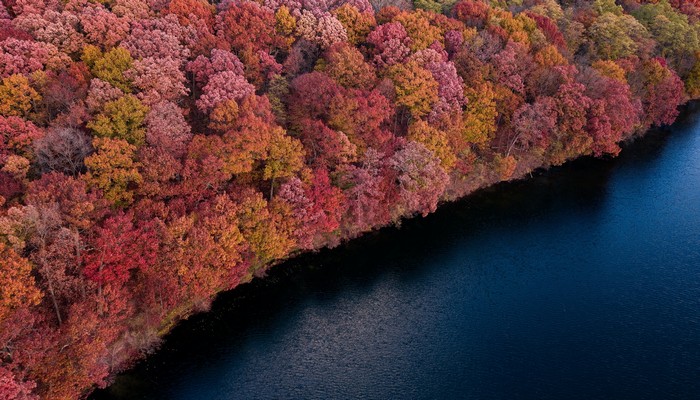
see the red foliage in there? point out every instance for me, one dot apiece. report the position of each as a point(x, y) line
point(346, 126)
point(118, 248)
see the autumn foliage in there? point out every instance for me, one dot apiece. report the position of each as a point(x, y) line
point(156, 152)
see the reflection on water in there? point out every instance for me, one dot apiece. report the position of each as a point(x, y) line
point(582, 282)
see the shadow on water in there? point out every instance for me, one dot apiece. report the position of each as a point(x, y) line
point(239, 317)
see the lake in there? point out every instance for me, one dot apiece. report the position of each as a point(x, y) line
point(582, 282)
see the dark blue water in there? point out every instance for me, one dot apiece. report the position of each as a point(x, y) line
point(581, 283)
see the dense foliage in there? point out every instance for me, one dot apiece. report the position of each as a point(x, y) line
point(156, 152)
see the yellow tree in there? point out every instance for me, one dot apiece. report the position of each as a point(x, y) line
point(17, 97)
point(434, 140)
point(480, 116)
point(109, 66)
point(416, 89)
point(122, 119)
point(285, 157)
point(357, 24)
point(113, 170)
point(267, 233)
point(17, 287)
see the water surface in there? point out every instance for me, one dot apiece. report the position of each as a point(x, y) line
point(581, 283)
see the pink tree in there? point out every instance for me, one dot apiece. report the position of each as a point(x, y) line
point(131, 9)
point(13, 389)
point(450, 89)
point(222, 86)
point(24, 57)
point(99, 93)
point(102, 27)
point(511, 66)
point(534, 125)
point(18, 135)
point(613, 114)
point(391, 44)
point(368, 194)
point(166, 128)
point(420, 178)
point(324, 30)
point(159, 79)
point(160, 38)
point(60, 29)
point(311, 95)
point(202, 68)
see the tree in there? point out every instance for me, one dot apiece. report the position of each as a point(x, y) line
point(167, 129)
point(534, 126)
point(368, 192)
point(62, 149)
point(113, 170)
point(157, 39)
point(202, 68)
point(100, 93)
point(317, 208)
point(204, 251)
point(204, 171)
point(24, 56)
point(391, 44)
point(109, 66)
point(511, 66)
point(159, 79)
point(189, 10)
point(416, 89)
point(122, 119)
point(223, 86)
point(663, 95)
point(77, 208)
point(613, 115)
point(10, 387)
point(65, 89)
point(324, 30)
point(268, 236)
point(224, 116)
point(357, 24)
point(324, 146)
point(58, 28)
point(434, 140)
point(550, 30)
point(310, 96)
point(362, 116)
point(420, 178)
point(103, 28)
point(17, 97)
point(473, 13)
point(285, 158)
point(131, 9)
point(17, 288)
point(450, 89)
point(616, 36)
point(117, 248)
point(346, 65)
point(572, 108)
point(677, 38)
point(419, 29)
point(248, 23)
point(17, 135)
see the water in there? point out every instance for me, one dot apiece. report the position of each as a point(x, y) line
point(581, 283)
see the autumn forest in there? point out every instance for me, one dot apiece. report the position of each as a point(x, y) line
point(156, 152)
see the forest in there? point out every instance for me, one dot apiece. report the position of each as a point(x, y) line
point(156, 152)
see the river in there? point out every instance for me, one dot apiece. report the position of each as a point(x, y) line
point(582, 282)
